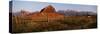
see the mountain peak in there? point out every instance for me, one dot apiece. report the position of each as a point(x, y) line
point(48, 9)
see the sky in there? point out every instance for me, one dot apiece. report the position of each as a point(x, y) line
point(37, 6)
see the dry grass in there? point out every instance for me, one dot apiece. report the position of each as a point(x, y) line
point(69, 22)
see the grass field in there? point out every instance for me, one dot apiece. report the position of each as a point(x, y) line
point(69, 23)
